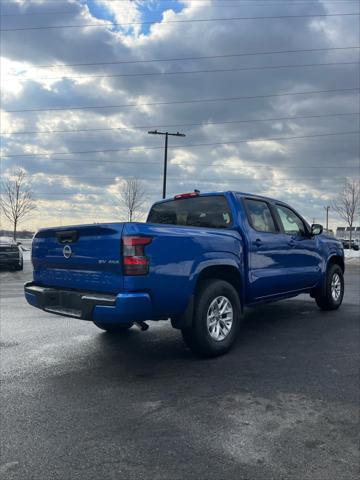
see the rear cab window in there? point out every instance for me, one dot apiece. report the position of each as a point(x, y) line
point(260, 216)
point(211, 211)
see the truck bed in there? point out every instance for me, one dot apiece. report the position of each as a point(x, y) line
point(89, 258)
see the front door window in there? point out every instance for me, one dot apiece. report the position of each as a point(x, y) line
point(292, 223)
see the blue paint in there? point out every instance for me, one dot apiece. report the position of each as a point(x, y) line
point(269, 266)
point(129, 307)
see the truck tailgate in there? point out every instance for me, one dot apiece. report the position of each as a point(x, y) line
point(86, 257)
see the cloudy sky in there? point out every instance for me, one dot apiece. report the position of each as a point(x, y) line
point(266, 91)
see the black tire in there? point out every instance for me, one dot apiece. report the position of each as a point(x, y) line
point(114, 329)
point(198, 336)
point(326, 300)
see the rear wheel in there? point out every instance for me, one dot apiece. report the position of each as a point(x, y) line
point(332, 295)
point(216, 319)
point(116, 329)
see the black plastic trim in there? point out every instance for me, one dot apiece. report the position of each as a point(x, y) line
point(71, 303)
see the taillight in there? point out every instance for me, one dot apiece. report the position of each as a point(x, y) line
point(134, 260)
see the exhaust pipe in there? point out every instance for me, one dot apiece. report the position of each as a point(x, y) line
point(142, 326)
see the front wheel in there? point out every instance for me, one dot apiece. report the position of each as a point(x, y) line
point(216, 319)
point(333, 293)
point(114, 329)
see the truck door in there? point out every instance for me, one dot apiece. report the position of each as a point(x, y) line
point(266, 265)
point(302, 259)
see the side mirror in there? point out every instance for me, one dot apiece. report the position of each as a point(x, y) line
point(316, 229)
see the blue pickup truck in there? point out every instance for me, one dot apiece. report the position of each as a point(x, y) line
point(198, 261)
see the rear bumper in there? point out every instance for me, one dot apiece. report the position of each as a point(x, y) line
point(99, 307)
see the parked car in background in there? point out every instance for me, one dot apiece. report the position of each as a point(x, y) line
point(354, 245)
point(11, 255)
point(199, 260)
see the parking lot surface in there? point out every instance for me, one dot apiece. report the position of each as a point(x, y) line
point(77, 403)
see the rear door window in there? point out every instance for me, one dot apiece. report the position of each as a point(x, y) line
point(211, 212)
point(260, 216)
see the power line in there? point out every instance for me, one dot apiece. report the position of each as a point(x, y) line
point(218, 180)
point(283, 2)
point(129, 149)
point(181, 102)
point(113, 177)
point(220, 3)
point(213, 3)
point(198, 20)
point(197, 181)
point(229, 3)
point(48, 132)
point(186, 72)
point(207, 57)
point(211, 165)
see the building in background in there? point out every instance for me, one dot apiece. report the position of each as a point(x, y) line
point(357, 234)
point(343, 233)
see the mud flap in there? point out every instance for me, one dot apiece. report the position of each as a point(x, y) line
point(185, 319)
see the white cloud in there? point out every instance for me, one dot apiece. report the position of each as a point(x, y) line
point(284, 169)
point(266, 147)
point(124, 12)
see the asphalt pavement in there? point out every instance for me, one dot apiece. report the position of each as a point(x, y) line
point(77, 403)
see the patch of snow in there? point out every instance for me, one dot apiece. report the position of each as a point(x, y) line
point(352, 256)
point(352, 253)
point(27, 256)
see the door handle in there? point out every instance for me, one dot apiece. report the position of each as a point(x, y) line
point(291, 243)
point(257, 242)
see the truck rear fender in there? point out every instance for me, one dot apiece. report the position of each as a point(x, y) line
point(228, 269)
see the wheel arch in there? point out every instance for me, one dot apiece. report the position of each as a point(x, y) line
point(227, 272)
point(336, 260)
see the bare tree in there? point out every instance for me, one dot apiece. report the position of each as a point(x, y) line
point(15, 199)
point(132, 197)
point(348, 202)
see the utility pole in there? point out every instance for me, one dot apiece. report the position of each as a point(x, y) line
point(327, 208)
point(167, 134)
